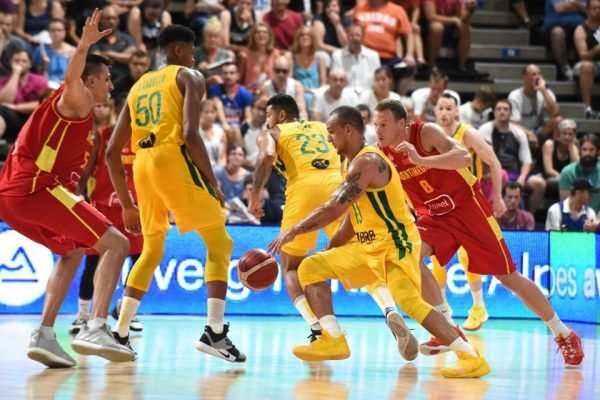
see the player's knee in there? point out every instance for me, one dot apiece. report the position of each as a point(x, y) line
point(415, 307)
point(219, 254)
point(309, 272)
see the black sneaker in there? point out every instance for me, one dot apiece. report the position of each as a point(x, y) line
point(123, 341)
point(591, 114)
point(219, 345)
point(314, 334)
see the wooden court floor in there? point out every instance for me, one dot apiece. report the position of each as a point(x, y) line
point(522, 354)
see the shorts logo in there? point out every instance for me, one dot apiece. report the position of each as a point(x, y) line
point(319, 163)
point(148, 141)
point(25, 267)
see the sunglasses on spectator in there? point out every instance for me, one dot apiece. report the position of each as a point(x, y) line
point(281, 70)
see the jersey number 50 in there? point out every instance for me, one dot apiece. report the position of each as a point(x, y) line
point(149, 108)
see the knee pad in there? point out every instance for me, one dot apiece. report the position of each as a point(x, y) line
point(218, 248)
point(141, 274)
point(415, 307)
point(310, 272)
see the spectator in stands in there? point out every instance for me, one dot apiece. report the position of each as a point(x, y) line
point(284, 23)
point(333, 96)
point(33, 18)
point(587, 44)
point(358, 61)
point(574, 212)
point(425, 99)
point(514, 218)
point(231, 177)
point(519, 8)
point(381, 90)
point(20, 92)
point(238, 22)
point(7, 26)
point(256, 63)
point(139, 64)
point(386, 28)
point(282, 83)
point(477, 111)
point(409, 106)
point(587, 167)
point(413, 11)
point(76, 12)
point(51, 60)
point(233, 102)
point(198, 12)
point(210, 56)
point(144, 23)
point(559, 152)
point(308, 68)
point(512, 149)
point(370, 135)
point(252, 127)
point(534, 107)
point(117, 47)
point(215, 139)
point(560, 20)
point(447, 22)
point(330, 26)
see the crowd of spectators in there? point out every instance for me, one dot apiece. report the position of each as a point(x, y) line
point(326, 54)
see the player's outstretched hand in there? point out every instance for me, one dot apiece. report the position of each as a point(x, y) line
point(131, 220)
point(409, 150)
point(91, 34)
point(276, 245)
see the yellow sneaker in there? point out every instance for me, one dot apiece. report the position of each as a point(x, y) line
point(467, 366)
point(477, 316)
point(326, 347)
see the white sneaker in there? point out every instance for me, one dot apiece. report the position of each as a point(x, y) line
point(408, 345)
point(48, 352)
point(76, 325)
point(101, 342)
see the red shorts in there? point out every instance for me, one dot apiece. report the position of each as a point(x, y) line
point(472, 226)
point(55, 218)
point(115, 215)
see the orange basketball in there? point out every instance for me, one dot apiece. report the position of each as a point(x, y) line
point(257, 269)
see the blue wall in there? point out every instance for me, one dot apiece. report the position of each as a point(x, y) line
point(564, 265)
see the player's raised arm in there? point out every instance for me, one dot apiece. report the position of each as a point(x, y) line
point(76, 95)
point(262, 171)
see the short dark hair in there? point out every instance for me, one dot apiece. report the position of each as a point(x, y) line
point(592, 138)
point(175, 34)
point(235, 146)
point(139, 54)
point(364, 107)
point(394, 106)
point(512, 185)
point(437, 75)
point(346, 115)
point(286, 103)
point(504, 101)
point(449, 96)
point(486, 94)
point(93, 64)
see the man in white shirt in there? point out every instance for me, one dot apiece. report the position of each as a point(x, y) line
point(358, 61)
point(334, 96)
point(534, 107)
point(573, 213)
point(512, 149)
point(282, 83)
point(251, 128)
point(425, 99)
point(477, 111)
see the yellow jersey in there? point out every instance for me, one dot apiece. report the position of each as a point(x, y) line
point(380, 216)
point(155, 105)
point(476, 167)
point(303, 151)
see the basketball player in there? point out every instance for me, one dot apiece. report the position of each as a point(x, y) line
point(446, 112)
point(172, 172)
point(453, 213)
point(103, 198)
point(386, 248)
point(300, 150)
point(37, 200)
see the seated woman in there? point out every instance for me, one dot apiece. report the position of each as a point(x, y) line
point(33, 18)
point(382, 89)
point(199, 12)
point(144, 23)
point(330, 27)
point(52, 60)
point(210, 56)
point(255, 64)
point(237, 23)
point(212, 134)
point(558, 153)
point(308, 69)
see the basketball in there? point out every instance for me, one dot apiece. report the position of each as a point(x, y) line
point(257, 269)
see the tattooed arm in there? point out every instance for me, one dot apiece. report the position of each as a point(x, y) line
point(267, 148)
point(368, 170)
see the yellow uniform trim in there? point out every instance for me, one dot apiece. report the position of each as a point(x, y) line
point(69, 200)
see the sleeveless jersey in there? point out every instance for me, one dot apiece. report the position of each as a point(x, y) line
point(380, 216)
point(100, 188)
point(50, 150)
point(303, 150)
point(431, 191)
point(155, 104)
point(476, 167)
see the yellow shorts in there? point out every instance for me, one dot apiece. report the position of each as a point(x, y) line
point(300, 201)
point(167, 180)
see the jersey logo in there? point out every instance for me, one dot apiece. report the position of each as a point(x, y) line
point(320, 163)
point(148, 141)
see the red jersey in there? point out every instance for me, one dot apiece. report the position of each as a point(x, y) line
point(431, 191)
point(50, 150)
point(100, 188)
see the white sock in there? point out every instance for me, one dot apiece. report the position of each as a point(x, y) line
point(384, 300)
point(446, 312)
point(557, 327)
point(129, 307)
point(47, 332)
point(215, 314)
point(329, 323)
point(460, 346)
point(96, 323)
point(477, 297)
point(303, 308)
point(84, 307)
